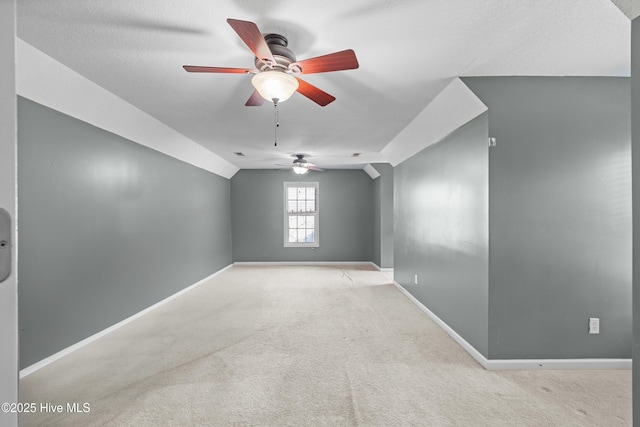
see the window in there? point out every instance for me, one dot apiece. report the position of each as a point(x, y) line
point(300, 214)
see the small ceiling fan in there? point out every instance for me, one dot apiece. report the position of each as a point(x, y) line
point(276, 66)
point(301, 165)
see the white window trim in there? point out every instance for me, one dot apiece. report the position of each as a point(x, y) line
point(316, 243)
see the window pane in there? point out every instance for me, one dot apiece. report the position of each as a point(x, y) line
point(311, 221)
point(293, 221)
point(309, 236)
point(311, 193)
point(301, 206)
point(311, 206)
point(301, 235)
point(300, 192)
point(293, 235)
point(302, 221)
point(291, 193)
point(292, 206)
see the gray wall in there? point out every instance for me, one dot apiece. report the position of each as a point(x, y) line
point(382, 244)
point(345, 207)
point(108, 228)
point(441, 229)
point(560, 216)
point(635, 131)
point(9, 287)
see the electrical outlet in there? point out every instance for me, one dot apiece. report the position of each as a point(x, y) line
point(415, 279)
point(594, 325)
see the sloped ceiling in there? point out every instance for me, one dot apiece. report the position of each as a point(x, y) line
point(409, 51)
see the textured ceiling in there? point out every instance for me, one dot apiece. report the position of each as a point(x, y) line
point(408, 50)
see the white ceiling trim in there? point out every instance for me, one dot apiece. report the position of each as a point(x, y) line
point(46, 81)
point(455, 106)
point(631, 8)
point(371, 171)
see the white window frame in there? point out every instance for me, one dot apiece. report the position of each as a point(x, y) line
point(315, 214)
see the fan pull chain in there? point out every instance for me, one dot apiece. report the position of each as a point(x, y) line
point(277, 123)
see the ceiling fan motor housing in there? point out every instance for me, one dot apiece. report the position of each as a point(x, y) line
point(281, 53)
point(300, 160)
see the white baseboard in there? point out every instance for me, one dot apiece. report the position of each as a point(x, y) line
point(515, 364)
point(302, 263)
point(313, 263)
point(453, 334)
point(44, 362)
point(383, 269)
point(532, 364)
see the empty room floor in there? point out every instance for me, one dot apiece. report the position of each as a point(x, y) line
point(305, 346)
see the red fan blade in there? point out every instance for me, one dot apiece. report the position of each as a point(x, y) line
point(344, 60)
point(314, 168)
point(255, 100)
point(318, 96)
point(252, 37)
point(199, 69)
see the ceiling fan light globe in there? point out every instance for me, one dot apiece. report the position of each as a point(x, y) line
point(275, 85)
point(300, 170)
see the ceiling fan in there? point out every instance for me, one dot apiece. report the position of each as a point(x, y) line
point(301, 165)
point(276, 66)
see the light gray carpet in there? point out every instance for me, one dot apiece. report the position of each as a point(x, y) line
point(307, 346)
